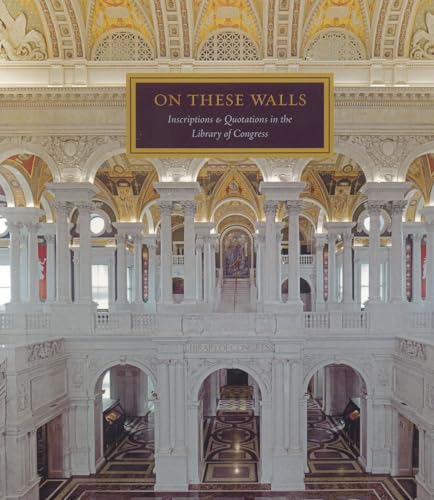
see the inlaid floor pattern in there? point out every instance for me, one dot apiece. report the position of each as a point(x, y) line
point(231, 467)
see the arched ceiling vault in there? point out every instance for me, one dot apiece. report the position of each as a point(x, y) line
point(175, 29)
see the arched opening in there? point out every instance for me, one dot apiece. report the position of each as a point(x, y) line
point(124, 423)
point(230, 435)
point(178, 289)
point(305, 293)
point(336, 421)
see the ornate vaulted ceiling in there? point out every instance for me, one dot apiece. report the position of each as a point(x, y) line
point(216, 29)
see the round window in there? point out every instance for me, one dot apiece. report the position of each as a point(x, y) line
point(97, 225)
point(3, 227)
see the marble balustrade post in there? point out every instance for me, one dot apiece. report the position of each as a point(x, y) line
point(374, 209)
point(63, 258)
point(294, 208)
point(166, 251)
point(397, 292)
point(189, 252)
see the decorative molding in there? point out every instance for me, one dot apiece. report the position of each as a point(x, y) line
point(412, 349)
point(228, 348)
point(423, 40)
point(3, 367)
point(49, 349)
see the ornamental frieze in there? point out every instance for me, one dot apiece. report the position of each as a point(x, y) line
point(412, 349)
point(228, 348)
point(49, 349)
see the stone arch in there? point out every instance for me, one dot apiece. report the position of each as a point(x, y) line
point(24, 185)
point(98, 377)
point(228, 200)
point(8, 149)
point(406, 163)
point(358, 154)
point(224, 365)
point(343, 361)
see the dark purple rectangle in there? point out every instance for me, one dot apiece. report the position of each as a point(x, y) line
point(230, 115)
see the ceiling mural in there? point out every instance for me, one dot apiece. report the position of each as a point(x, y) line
point(421, 174)
point(335, 184)
point(127, 185)
point(42, 29)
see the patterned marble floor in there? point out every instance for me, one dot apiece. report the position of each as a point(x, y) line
point(232, 439)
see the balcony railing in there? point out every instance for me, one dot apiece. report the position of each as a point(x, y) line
point(305, 260)
point(178, 259)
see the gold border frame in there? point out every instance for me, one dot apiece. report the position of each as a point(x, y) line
point(325, 78)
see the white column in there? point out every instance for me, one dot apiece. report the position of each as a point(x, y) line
point(51, 267)
point(85, 274)
point(347, 271)
point(429, 262)
point(150, 242)
point(374, 208)
point(15, 260)
point(319, 262)
point(208, 270)
point(278, 258)
point(121, 268)
point(294, 208)
point(180, 408)
point(138, 272)
point(260, 257)
point(270, 285)
point(164, 413)
point(33, 262)
point(199, 274)
point(189, 252)
point(63, 259)
point(331, 267)
point(166, 251)
point(416, 292)
point(397, 253)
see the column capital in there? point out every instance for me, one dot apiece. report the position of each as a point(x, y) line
point(63, 207)
point(270, 208)
point(375, 207)
point(199, 244)
point(32, 227)
point(282, 190)
point(72, 191)
point(294, 207)
point(128, 228)
point(25, 215)
point(428, 213)
point(320, 240)
point(189, 207)
point(398, 207)
point(150, 240)
point(165, 207)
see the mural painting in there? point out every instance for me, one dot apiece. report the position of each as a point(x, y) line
point(236, 254)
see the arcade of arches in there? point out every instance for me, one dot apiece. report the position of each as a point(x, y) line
point(175, 327)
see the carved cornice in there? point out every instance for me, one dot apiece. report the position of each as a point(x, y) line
point(116, 97)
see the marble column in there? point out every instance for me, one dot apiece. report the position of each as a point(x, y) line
point(207, 270)
point(294, 208)
point(33, 262)
point(416, 268)
point(374, 209)
point(347, 270)
point(260, 257)
point(85, 274)
point(151, 243)
point(294, 416)
point(180, 408)
point(425, 475)
point(279, 407)
point(189, 252)
point(332, 296)
point(397, 292)
point(199, 273)
point(320, 240)
point(50, 240)
point(63, 258)
point(138, 271)
point(429, 262)
point(121, 269)
point(166, 251)
point(15, 260)
point(270, 264)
